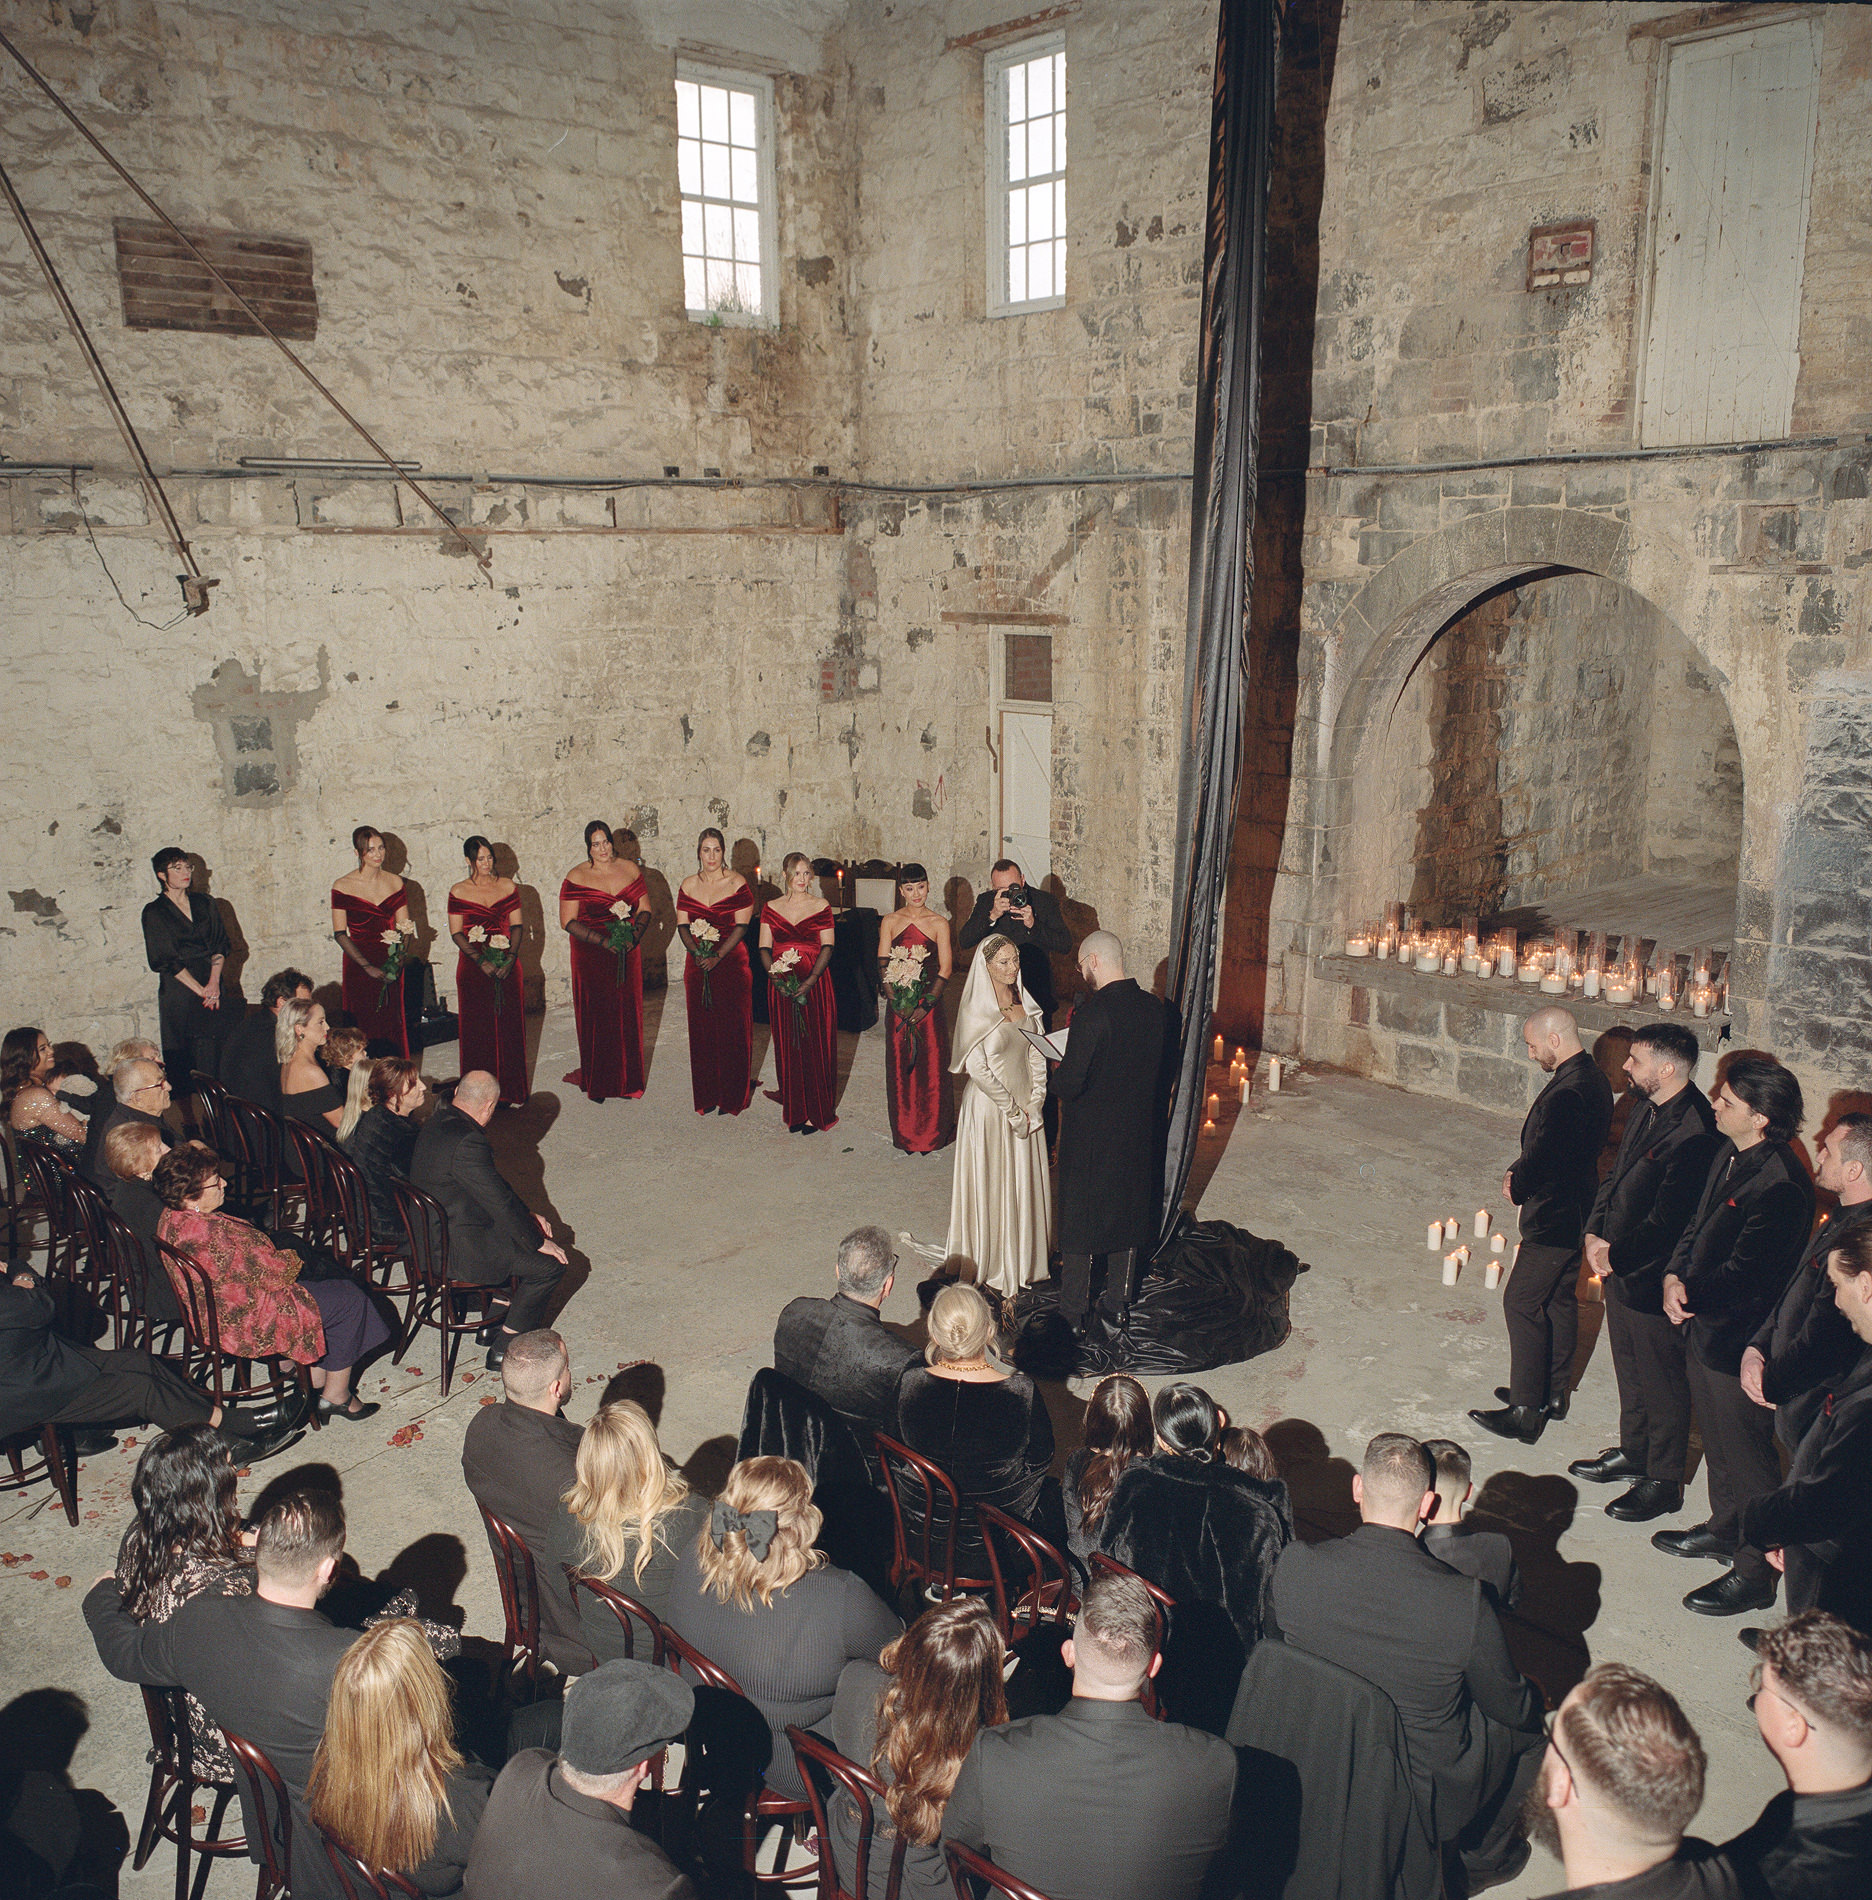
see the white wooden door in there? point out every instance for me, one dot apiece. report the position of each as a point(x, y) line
point(1027, 791)
point(1722, 351)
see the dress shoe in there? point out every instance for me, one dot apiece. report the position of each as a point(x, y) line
point(498, 1350)
point(1750, 1636)
point(1525, 1422)
point(93, 1441)
point(356, 1411)
point(1556, 1409)
point(249, 1451)
point(1611, 1465)
point(1648, 1498)
point(1697, 1541)
point(1731, 1594)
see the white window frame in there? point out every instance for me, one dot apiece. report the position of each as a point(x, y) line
point(994, 69)
point(760, 85)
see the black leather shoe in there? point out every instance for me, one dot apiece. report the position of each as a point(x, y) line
point(1611, 1465)
point(1556, 1409)
point(1524, 1422)
point(249, 1451)
point(1731, 1594)
point(1750, 1637)
point(1697, 1541)
point(498, 1350)
point(1648, 1498)
point(92, 1441)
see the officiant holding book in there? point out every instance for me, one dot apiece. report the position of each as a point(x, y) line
point(1111, 1090)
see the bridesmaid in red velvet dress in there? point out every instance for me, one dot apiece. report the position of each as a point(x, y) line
point(713, 910)
point(484, 920)
point(913, 943)
point(607, 1001)
point(796, 953)
point(369, 909)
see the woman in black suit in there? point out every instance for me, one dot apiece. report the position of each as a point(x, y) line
point(187, 947)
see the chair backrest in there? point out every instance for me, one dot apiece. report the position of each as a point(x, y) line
point(679, 1653)
point(194, 1291)
point(117, 1278)
point(309, 1149)
point(864, 1789)
point(967, 1866)
point(1161, 1601)
point(1033, 1581)
point(358, 1882)
point(425, 1233)
point(928, 1555)
point(629, 1613)
point(268, 1809)
point(211, 1105)
point(519, 1589)
point(347, 1210)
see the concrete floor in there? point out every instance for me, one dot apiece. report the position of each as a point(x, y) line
point(694, 1232)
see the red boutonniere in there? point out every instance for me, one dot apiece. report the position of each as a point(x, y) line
point(1732, 1200)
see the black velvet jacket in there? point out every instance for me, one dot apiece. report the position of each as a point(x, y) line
point(1556, 1174)
point(1647, 1200)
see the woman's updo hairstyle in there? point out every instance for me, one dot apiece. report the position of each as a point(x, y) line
point(702, 838)
point(787, 863)
point(598, 829)
point(961, 1325)
point(1186, 1419)
point(473, 847)
point(361, 837)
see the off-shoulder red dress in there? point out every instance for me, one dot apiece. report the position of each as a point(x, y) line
point(918, 1089)
point(721, 1010)
point(805, 1036)
point(492, 1038)
point(607, 1004)
point(371, 927)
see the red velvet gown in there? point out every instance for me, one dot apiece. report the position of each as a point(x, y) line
point(917, 1088)
point(371, 927)
point(492, 1039)
point(721, 1031)
point(805, 1039)
point(608, 1009)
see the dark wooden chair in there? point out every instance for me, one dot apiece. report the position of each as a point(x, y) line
point(762, 1808)
point(520, 1602)
point(17, 1208)
point(271, 1193)
point(211, 1115)
point(268, 1808)
point(637, 1621)
point(57, 1461)
point(440, 1300)
point(1161, 1601)
point(974, 1876)
point(816, 1759)
point(1033, 1580)
point(308, 1151)
point(169, 1810)
point(377, 1259)
point(227, 1378)
point(358, 1882)
point(924, 1558)
point(48, 1180)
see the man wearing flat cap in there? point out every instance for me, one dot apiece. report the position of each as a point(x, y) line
point(560, 1825)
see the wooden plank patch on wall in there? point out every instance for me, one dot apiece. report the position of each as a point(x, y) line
point(165, 287)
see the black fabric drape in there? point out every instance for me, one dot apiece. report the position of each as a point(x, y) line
point(1222, 502)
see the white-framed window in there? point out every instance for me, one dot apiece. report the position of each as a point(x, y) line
point(725, 172)
point(1026, 120)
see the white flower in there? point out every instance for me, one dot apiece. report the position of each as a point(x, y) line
point(704, 932)
point(498, 942)
point(406, 928)
point(476, 934)
point(786, 960)
point(620, 909)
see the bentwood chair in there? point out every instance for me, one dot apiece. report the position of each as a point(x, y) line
point(520, 1602)
point(440, 1300)
point(169, 1810)
point(975, 1876)
point(926, 1509)
point(815, 1759)
point(1033, 1579)
point(356, 1881)
point(57, 1460)
point(227, 1377)
point(268, 1810)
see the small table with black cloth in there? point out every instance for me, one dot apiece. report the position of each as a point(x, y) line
point(852, 974)
point(191, 1033)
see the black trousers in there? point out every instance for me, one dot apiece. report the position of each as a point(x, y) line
point(1653, 1387)
point(539, 1275)
point(1512, 1760)
point(1739, 1446)
point(1541, 1306)
point(133, 1385)
point(1076, 1283)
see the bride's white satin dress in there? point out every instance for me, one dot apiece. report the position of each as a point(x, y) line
point(1001, 1203)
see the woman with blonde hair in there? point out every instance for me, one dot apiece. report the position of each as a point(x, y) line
point(300, 1031)
point(388, 1781)
point(754, 1596)
point(987, 1427)
point(912, 1716)
point(625, 1521)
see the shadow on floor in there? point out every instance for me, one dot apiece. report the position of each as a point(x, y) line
point(1559, 1600)
point(54, 1838)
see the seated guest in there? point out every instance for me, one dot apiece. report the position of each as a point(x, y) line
point(911, 1717)
point(140, 1096)
point(1377, 1603)
point(130, 1155)
point(625, 1519)
point(559, 1826)
point(307, 1093)
point(1099, 1802)
point(754, 1596)
point(1818, 1524)
point(49, 1380)
point(839, 1349)
point(250, 1063)
point(1813, 1841)
point(27, 1071)
point(261, 1307)
point(1195, 1526)
point(1485, 1555)
point(1244, 1449)
point(986, 1427)
point(1620, 1781)
point(1118, 1433)
point(387, 1780)
point(519, 1459)
point(491, 1235)
point(383, 1142)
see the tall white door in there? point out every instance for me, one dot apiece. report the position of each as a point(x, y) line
point(1027, 791)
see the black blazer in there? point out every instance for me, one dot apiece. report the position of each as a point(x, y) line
point(1647, 1200)
point(1381, 1605)
point(250, 1064)
point(1742, 1246)
point(1112, 1095)
point(40, 1373)
point(840, 1350)
point(488, 1222)
point(1099, 1802)
point(1487, 1556)
point(382, 1145)
point(95, 1168)
point(173, 943)
point(1556, 1174)
point(1049, 938)
point(1805, 1342)
point(1816, 1846)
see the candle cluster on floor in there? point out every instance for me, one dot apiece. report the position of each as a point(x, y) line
point(1440, 1232)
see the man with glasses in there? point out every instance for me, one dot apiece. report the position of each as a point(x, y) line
point(1620, 1781)
point(1813, 1707)
point(143, 1096)
point(839, 1349)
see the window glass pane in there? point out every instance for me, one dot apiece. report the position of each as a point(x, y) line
point(1039, 86)
point(692, 228)
point(1039, 211)
point(1039, 270)
point(746, 176)
point(716, 181)
point(1059, 141)
point(1059, 267)
point(720, 282)
point(1017, 274)
point(688, 167)
point(1017, 154)
point(1016, 94)
point(688, 116)
point(1059, 207)
point(714, 113)
point(741, 117)
point(747, 285)
point(1039, 147)
point(1017, 217)
point(1059, 82)
point(747, 237)
point(695, 288)
point(718, 230)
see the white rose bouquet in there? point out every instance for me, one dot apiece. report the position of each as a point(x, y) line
point(907, 984)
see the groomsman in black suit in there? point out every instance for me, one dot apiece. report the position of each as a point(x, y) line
point(1644, 1205)
point(1553, 1182)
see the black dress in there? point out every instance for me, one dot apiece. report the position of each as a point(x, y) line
point(381, 1144)
point(311, 1106)
point(191, 1035)
point(995, 1440)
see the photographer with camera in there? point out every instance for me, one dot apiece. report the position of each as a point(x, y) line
point(1029, 918)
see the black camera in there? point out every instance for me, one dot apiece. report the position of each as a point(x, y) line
point(1016, 895)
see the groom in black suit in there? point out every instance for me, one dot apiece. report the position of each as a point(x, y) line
point(1111, 1093)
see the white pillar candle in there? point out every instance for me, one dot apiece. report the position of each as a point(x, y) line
point(1498, 1243)
point(1505, 963)
point(1358, 947)
point(1244, 1088)
point(1485, 968)
point(1620, 993)
point(1436, 1235)
point(1552, 984)
point(1450, 1269)
point(1462, 1254)
point(1449, 964)
point(1592, 983)
point(1274, 1075)
point(1491, 1275)
point(1429, 962)
point(1218, 1049)
point(1450, 1229)
point(1481, 1223)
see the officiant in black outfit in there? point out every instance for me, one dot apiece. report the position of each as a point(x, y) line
point(187, 947)
point(1033, 925)
point(1111, 1092)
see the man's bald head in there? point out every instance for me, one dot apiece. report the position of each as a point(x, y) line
point(1101, 957)
point(476, 1093)
point(1552, 1036)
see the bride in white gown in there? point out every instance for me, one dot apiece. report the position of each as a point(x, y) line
point(1001, 1205)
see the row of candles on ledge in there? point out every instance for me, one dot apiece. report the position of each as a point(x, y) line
point(1572, 962)
point(1441, 1231)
